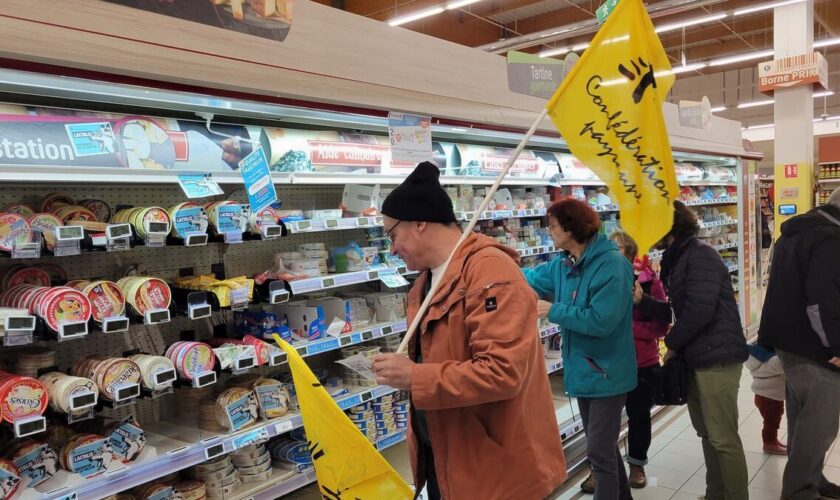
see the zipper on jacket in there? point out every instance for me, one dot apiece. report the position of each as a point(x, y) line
point(595, 366)
point(488, 287)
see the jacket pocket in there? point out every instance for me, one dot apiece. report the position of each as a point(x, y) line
point(595, 366)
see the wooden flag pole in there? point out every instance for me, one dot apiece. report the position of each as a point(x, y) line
point(484, 203)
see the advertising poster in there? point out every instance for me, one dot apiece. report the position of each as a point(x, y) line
point(271, 19)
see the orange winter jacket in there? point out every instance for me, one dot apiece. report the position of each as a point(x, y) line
point(482, 382)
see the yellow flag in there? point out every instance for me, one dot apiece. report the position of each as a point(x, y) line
point(346, 464)
point(609, 111)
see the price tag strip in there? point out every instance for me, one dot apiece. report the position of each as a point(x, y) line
point(118, 237)
point(271, 232)
point(277, 293)
point(233, 238)
point(72, 330)
point(156, 317)
point(29, 426)
point(164, 378)
point(256, 436)
point(196, 239)
point(204, 379)
point(115, 324)
point(83, 399)
point(126, 392)
point(68, 240)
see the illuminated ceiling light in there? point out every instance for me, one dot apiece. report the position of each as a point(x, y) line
point(555, 52)
point(688, 67)
point(755, 104)
point(689, 22)
point(766, 6)
point(580, 46)
point(457, 4)
point(719, 109)
point(827, 43)
point(741, 58)
point(754, 127)
point(399, 21)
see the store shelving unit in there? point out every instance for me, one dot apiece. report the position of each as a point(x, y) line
point(173, 445)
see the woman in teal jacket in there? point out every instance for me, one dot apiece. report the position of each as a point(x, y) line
point(591, 297)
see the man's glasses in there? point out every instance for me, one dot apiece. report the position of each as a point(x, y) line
point(389, 233)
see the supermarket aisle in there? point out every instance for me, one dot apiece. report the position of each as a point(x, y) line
point(677, 471)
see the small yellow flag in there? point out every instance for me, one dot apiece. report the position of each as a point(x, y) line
point(609, 111)
point(347, 465)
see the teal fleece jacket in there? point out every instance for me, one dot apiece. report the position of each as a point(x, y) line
point(593, 304)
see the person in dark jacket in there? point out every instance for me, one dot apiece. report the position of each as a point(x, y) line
point(801, 320)
point(707, 331)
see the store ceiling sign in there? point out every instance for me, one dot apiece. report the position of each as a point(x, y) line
point(271, 19)
point(806, 69)
point(532, 75)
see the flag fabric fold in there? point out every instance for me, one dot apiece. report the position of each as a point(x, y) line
point(609, 111)
point(346, 464)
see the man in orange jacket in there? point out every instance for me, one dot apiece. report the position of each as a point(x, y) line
point(483, 424)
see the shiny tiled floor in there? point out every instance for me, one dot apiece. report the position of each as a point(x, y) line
point(676, 469)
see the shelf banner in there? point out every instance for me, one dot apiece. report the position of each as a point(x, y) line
point(609, 111)
point(271, 19)
point(49, 137)
point(346, 463)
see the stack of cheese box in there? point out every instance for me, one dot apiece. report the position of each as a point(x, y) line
point(219, 476)
point(391, 414)
point(362, 416)
point(252, 463)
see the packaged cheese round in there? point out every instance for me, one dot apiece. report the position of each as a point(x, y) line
point(151, 366)
point(145, 294)
point(34, 459)
point(62, 388)
point(24, 275)
point(74, 213)
point(14, 230)
point(54, 201)
point(188, 217)
point(21, 397)
point(99, 208)
point(265, 217)
point(9, 478)
point(191, 490)
point(247, 414)
point(33, 358)
point(21, 209)
point(46, 224)
point(106, 299)
point(191, 358)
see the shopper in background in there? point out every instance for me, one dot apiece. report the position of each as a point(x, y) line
point(769, 388)
point(483, 422)
point(801, 319)
point(646, 335)
point(707, 332)
point(590, 294)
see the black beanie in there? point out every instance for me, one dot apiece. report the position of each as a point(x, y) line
point(420, 198)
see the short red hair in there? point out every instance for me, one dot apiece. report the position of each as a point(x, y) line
point(576, 217)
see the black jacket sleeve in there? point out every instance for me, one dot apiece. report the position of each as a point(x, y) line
point(702, 286)
point(822, 290)
point(656, 310)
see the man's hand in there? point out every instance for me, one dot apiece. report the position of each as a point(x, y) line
point(835, 361)
point(638, 293)
point(668, 356)
point(393, 370)
point(542, 308)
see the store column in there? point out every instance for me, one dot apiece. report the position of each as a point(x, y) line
point(793, 35)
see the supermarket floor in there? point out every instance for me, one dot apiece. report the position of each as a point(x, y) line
point(676, 469)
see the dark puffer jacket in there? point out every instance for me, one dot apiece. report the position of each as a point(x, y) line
point(802, 307)
point(707, 330)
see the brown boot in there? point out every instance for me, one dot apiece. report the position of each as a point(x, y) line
point(637, 476)
point(588, 486)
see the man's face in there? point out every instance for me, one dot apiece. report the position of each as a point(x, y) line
point(406, 242)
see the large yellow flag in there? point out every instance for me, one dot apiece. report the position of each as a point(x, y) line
point(609, 111)
point(346, 464)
